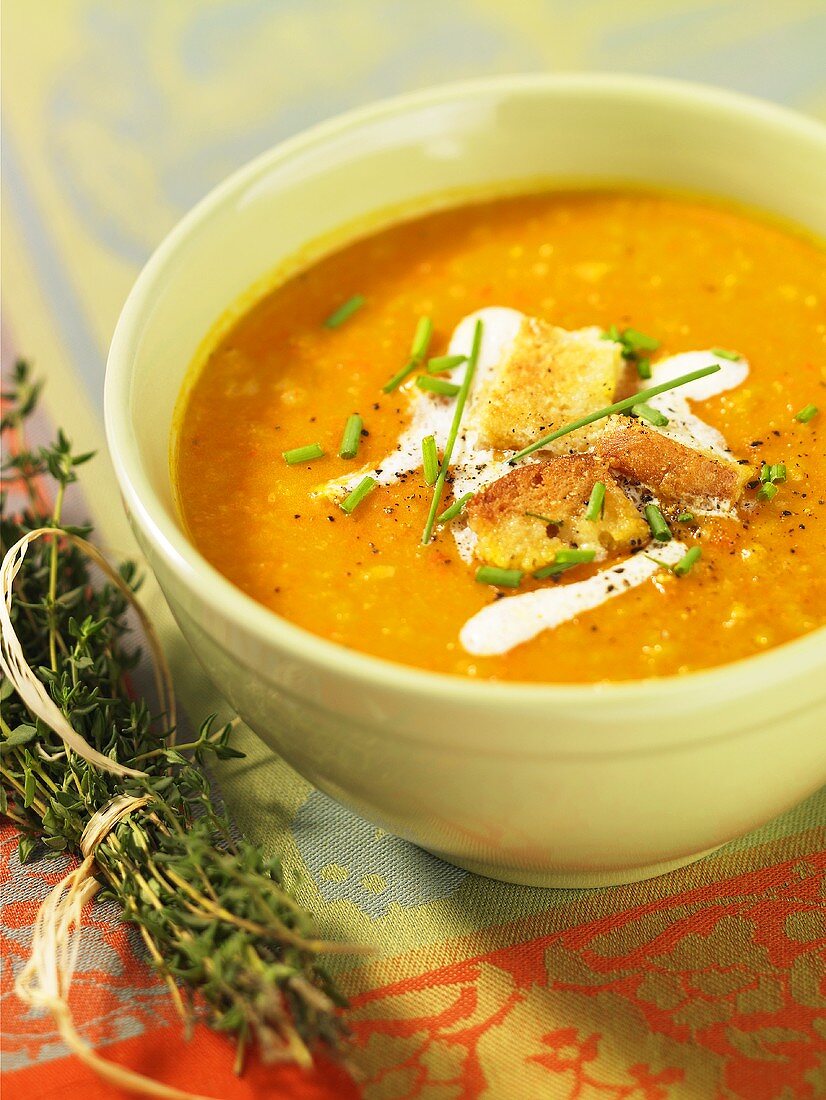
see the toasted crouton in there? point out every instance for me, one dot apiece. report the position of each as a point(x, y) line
point(672, 470)
point(557, 490)
point(548, 377)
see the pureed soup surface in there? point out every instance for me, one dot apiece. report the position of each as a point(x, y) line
point(691, 274)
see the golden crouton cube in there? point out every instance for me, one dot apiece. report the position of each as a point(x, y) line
point(537, 509)
point(676, 473)
point(549, 377)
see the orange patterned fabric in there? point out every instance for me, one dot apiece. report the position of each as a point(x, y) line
point(715, 991)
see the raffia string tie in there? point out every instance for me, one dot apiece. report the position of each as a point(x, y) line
point(46, 979)
point(31, 690)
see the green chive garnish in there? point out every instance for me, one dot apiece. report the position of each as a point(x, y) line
point(636, 341)
point(633, 341)
point(345, 311)
point(775, 473)
point(430, 460)
point(502, 578)
point(596, 502)
point(444, 362)
point(351, 438)
point(437, 385)
point(807, 413)
point(724, 353)
point(688, 559)
point(649, 413)
point(574, 557)
point(659, 528)
point(365, 486)
point(685, 517)
point(421, 339)
point(771, 476)
point(453, 510)
point(303, 454)
point(618, 406)
point(564, 560)
point(545, 519)
point(418, 350)
point(459, 408)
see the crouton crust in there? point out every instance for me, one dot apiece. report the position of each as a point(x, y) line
point(670, 469)
point(549, 377)
point(557, 489)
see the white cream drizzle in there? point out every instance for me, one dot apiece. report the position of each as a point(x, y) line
point(510, 622)
point(516, 619)
point(683, 425)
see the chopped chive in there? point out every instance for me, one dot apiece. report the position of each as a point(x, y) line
point(502, 578)
point(351, 438)
point(458, 410)
point(596, 503)
point(688, 559)
point(649, 413)
point(545, 519)
point(724, 353)
point(618, 406)
point(365, 486)
point(430, 460)
point(421, 339)
point(345, 311)
point(807, 413)
point(437, 385)
point(633, 343)
point(418, 350)
point(444, 362)
point(632, 340)
point(636, 341)
point(399, 377)
point(303, 454)
point(685, 517)
point(770, 474)
point(564, 560)
point(453, 510)
point(574, 557)
point(767, 491)
point(659, 528)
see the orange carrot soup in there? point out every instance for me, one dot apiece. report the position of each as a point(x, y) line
point(568, 437)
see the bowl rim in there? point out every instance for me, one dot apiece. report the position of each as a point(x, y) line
point(794, 658)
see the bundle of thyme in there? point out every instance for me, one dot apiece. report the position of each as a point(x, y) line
point(218, 920)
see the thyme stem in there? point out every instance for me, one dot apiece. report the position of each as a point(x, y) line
point(55, 522)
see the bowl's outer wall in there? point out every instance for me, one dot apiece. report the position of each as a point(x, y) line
point(569, 782)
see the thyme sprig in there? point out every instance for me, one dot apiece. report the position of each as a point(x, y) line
point(218, 918)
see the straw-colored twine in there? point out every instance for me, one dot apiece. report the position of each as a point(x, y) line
point(31, 690)
point(45, 980)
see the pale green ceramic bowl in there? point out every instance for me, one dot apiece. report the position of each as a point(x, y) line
point(554, 785)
